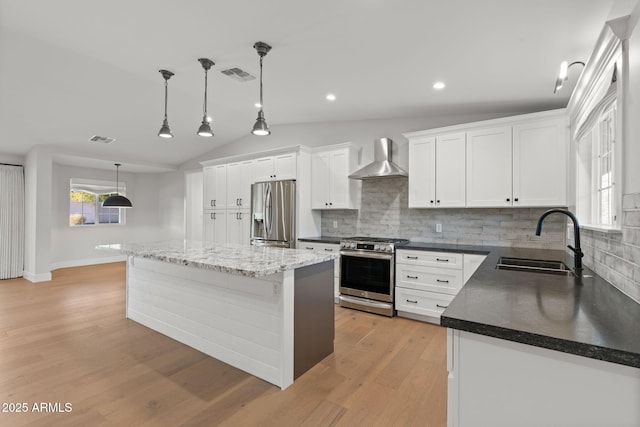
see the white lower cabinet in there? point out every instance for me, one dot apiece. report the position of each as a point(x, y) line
point(427, 281)
point(499, 383)
point(422, 303)
point(215, 226)
point(326, 247)
point(238, 227)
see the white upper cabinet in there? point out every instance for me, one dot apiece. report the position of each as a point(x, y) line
point(437, 171)
point(278, 167)
point(539, 163)
point(489, 179)
point(215, 187)
point(331, 187)
point(240, 176)
point(518, 161)
point(422, 172)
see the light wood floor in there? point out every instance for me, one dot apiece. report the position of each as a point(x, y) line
point(68, 341)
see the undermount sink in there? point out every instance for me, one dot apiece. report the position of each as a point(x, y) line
point(534, 266)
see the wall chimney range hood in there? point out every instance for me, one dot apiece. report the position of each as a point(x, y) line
point(382, 166)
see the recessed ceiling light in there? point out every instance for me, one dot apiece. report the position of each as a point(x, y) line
point(438, 85)
point(331, 97)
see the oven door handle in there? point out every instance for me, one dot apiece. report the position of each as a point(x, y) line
point(375, 255)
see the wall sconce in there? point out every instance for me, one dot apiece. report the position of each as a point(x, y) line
point(563, 75)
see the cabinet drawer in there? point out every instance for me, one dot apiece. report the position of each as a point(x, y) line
point(323, 247)
point(420, 302)
point(313, 246)
point(444, 280)
point(430, 259)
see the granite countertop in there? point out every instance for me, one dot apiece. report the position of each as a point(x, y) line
point(243, 260)
point(582, 315)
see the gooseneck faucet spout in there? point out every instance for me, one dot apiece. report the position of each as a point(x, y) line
point(578, 254)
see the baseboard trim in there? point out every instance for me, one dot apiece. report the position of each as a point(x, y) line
point(35, 278)
point(87, 261)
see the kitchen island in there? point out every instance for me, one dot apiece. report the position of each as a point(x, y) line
point(268, 311)
point(533, 349)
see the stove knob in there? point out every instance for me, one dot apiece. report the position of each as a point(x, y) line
point(352, 245)
point(377, 247)
point(341, 245)
point(388, 248)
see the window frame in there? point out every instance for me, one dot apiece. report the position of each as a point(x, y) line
point(100, 190)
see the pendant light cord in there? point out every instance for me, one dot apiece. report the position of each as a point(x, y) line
point(166, 96)
point(117, 180)
point(261, 104)
point(204, 107)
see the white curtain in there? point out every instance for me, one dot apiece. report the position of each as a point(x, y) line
point(11, 221)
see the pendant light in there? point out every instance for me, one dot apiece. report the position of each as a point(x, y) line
point(205, 128)
point(165, 132)
point(117, 201)
point(261, 128)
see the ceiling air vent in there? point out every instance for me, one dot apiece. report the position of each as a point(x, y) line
point(238, 74)
point(101, 139)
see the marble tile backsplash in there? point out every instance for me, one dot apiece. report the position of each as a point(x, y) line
point(384, 212)
point(616, 257)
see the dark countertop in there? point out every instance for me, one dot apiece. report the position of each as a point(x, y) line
point(322, 239)
point(582, 315)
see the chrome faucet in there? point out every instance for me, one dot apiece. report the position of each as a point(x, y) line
point(578, 254)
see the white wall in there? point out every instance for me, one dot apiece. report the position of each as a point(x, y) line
point(37, 203)
point(11, 159)
point(154, 215)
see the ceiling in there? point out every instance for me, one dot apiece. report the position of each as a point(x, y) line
point(71, 69)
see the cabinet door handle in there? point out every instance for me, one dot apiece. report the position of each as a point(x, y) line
point(412, 257)
point(240, 201)
point(330, 204)
point(328, 249)
point(515, 200)
point(508, 199)
point(411, 277)
point(326, 204)
point(212, 203)
point(442, 260)
point(212, 215)
point(412, 301)
point(437, 201)
point(441, 306)
point(309, 247)
point(237, 202)
point(442, 281)
point(431, 201)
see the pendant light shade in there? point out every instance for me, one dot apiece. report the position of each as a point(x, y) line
point(117, 201)
point(205, 127)
point(165, 131)
point(261, 128)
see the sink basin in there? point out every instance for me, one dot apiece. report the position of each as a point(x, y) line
point(533, 266)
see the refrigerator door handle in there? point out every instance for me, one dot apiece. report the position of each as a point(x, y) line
point(268, 208)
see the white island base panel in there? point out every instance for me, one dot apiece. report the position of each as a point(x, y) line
point(494, 382)
point(245, 322)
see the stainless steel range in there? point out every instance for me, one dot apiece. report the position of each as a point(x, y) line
point(367, 277)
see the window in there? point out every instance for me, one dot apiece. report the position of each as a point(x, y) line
point(598, 172)
point(604, 188)
point(85, 203)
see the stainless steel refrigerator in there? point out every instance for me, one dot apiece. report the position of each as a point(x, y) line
point(273, 213)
